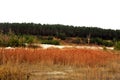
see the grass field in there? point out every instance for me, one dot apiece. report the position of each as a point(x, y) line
point(59, 64)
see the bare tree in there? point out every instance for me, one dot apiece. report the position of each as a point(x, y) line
point(88, 38)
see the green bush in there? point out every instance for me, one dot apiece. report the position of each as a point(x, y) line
point(100, 41)
point(32, 46)
point(97, 41)
point(117, 45)
point(108, 43)
point(14, 41)
point(54, 42)
point(29, 39)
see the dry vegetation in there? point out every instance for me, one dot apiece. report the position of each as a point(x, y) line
point(62, 64)
point(70, 56)
point(12, 72)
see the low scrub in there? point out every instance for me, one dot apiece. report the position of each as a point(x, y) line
point(54, 42)
point(117, 46)
point(16, 40)
point(99, 41)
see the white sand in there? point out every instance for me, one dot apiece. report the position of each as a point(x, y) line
point(45, 46)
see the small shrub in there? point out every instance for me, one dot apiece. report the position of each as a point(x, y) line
point(14, 41)
point(97, 41)
point(32, 46)
point(54, 42)
point(117, 46)
point(29, 39)
point(108, 43)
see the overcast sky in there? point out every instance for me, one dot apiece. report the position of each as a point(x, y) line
point(96, 13)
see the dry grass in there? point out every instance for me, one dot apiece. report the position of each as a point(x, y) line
point(110, 71)
point(69, 56)
point(12, 72)
point(59, 64)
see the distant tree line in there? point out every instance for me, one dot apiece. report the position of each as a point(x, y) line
point(59, 30)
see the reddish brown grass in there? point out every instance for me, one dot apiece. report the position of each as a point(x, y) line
point(56, 56)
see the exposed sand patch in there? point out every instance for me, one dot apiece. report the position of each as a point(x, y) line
point(46, 46)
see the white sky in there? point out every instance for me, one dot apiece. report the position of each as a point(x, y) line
point(96, 13)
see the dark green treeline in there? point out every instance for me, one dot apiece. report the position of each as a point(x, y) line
point(53, 30)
